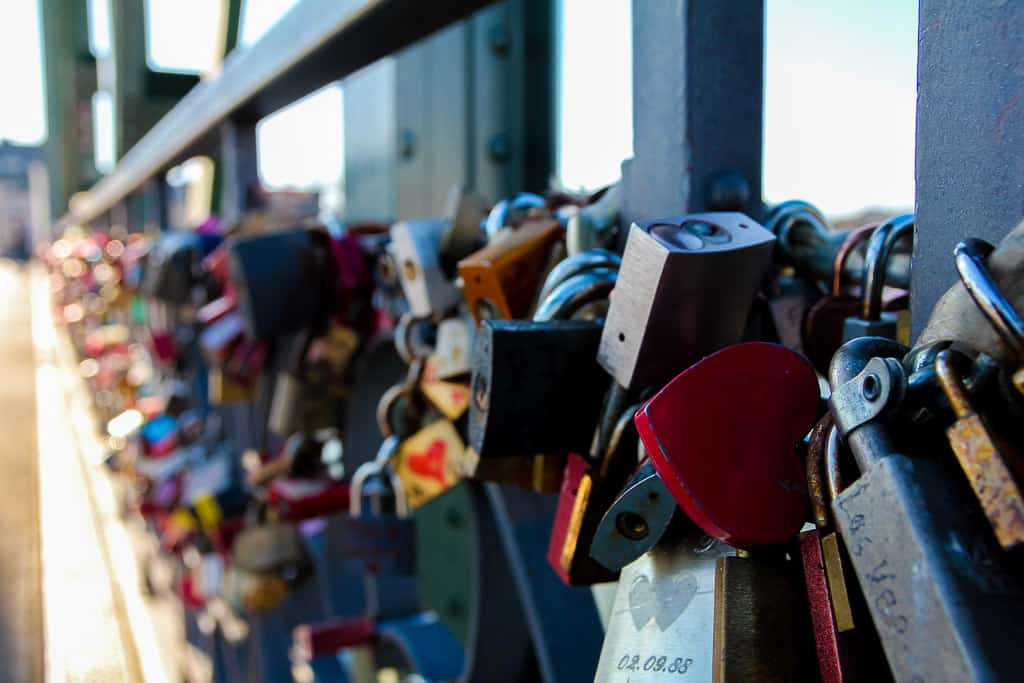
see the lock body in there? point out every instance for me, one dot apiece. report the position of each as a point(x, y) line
point(663, 618)
point(501, 280)
point(279, 279)
point(415, 248)
point(685, 289)
point(536, 388)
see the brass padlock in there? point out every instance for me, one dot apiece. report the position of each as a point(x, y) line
point(989, 462)
point(762, 630)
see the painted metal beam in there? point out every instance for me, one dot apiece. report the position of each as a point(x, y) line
point(317, 42)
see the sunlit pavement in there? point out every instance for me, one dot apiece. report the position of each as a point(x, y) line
point(73, 607)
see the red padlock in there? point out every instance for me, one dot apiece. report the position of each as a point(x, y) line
point(723, 436)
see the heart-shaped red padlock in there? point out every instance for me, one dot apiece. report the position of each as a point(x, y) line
point(723, 436)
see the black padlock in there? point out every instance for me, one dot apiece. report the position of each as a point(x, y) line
point(172, 267)
point(280, 280)
point(546, 375)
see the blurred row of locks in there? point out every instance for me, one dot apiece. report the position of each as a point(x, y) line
point(416, 447)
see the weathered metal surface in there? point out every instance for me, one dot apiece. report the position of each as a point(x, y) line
point(970, 136)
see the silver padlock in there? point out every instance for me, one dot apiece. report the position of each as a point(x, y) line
point(662, 622)
point(415, 248)
point(685, 289)
point(946, 605)
point(873, 322)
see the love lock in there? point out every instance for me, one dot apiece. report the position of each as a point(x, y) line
point(694, 427)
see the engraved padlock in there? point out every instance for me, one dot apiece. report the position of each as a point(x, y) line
point(914, 536)
point(685, 288)
point(873, 321)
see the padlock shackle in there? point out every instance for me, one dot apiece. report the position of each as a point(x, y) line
point(953, 385)
point(970, 255)
point(815, 471)
point(785, 210)
point(876, 261)
point(852, 241)
point(576, 292)
point(574, 265)
point(833, 472)
point(378, 467)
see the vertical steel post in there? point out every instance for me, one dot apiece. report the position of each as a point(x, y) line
point(238, 167)
point(970, 136)
point(698, 96)
point(371, 140)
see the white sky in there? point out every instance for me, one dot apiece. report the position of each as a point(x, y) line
point(839, 103)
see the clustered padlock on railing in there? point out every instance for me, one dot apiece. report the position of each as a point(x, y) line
point(699, 392)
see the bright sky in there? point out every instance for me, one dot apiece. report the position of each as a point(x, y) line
point(839, 103)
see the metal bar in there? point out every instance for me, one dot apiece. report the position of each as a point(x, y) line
point(698, 90)
point(970, 137)
point(317, 42)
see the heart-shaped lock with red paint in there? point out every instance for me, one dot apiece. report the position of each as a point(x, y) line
point(723, 437)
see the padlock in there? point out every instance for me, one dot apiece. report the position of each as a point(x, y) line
point(280, 279)
point(224, 389)
point(415, 249)
point(685, 289)
point(989, 462)
point(596, 225)
point(502, 279)
point(218, 339)
point(847, 644)
point(916, 538)
point(822, 326)
point(430, 462)
point(451, 356)
point(380, 536)
point(662, 624)
point(300, 401)
point(695, 418)
point(536, 388)
point(762, 630)
point(589, 487)
point(873, 322)
point(172, 267)
point(636, 521)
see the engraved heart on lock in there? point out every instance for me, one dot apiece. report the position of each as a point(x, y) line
point(664, 599)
